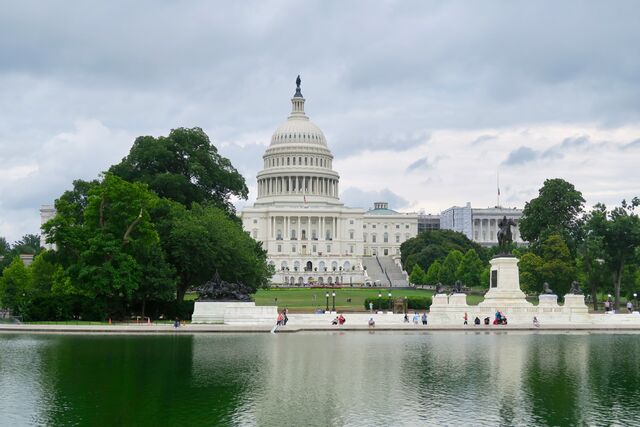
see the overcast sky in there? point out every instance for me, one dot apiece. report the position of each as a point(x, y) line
point(422, 103)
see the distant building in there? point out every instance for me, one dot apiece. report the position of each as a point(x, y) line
point(428, 222)
point(480, 224)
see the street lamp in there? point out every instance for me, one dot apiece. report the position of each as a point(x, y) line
point(379, 301)
point(635, 300)
point(334, 300)
point(610, 305)
point(389, 301)
point(327, 295)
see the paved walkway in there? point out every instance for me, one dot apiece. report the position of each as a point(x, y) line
point(190, 328)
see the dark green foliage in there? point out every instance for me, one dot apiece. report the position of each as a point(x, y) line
point(413, 303)
point(556, 210)
point(449, 269)
point(184, 167)
point(434, 245)
point(418, 276)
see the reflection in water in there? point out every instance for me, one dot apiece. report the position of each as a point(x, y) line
point(327, 378)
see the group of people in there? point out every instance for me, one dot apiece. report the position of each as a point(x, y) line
point(339, 320)
point(416, 318)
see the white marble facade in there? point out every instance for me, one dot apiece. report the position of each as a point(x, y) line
point(480, 224)
point(309, 235)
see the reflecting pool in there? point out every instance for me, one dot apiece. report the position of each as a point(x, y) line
point(324, 378)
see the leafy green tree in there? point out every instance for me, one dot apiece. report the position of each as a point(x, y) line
point(28, 244)
point(417, 276)
point(556, 210)
point(14, 286)
point(484, 277)
point(43, 271)
point(184, 167)
point(203, 240)
point(558, 265)
point(470, 268)
point(434, 245)
point(530, 266)
point(433, 273)
point(447, 274)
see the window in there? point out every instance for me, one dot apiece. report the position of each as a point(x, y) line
point(397, 238)
point(350, 249)
point(328, 248)
point(364, 225)
point(293, 248)
point(350, 221)
point(351, 235)
point(385, 226)
point(294, 161)
point(373, 226)
point(255, 234)
point(313, 248)
point(397, 226)
point(386, 237)
point(255, 221)
point(373, 238)
point(364, 237)
point(406, 226)
point(279, 248)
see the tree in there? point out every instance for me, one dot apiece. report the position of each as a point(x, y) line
point(14, 286)
point(530, 266)
point(470, 268)
point(447, 274)
point(203, 240)
point(104, 234)
point(426, 248)
point(556, 210)
point(28, 244)
point(184, 167)
point(619, 233)
point(43, 271)
point(433, 274)
point(417, 276)
point(558, 266)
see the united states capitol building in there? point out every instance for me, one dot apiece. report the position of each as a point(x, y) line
point(309, 235)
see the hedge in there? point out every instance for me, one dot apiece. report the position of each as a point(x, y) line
point(413, 303)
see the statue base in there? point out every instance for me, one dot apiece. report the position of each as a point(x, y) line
point(504, 285)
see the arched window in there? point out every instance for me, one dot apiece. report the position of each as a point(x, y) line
point(334, 266)
point(373, 238)
point(346, 266)
point(296, 266)
point(321, 266)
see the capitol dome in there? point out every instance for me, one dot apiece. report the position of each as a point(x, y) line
point(298, 163)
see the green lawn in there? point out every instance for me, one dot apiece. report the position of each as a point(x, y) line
point(307, 300)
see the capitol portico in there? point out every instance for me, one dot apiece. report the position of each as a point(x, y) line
point(309, 235)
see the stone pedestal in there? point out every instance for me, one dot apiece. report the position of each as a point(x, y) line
point(440, 300)
point(458, 300)
point(576, 308)
point(504, 285)
point(213, 311)
point(548, 300)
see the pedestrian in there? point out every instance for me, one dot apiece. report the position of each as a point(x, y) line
point(406, 318)
point(424, 318)
point(372, 323)
point(415, 318)
point(285, 317)
point(536, 322)
point(280, 319)
point(629, 307)
point(476, 321)
point(607, 306)
point(466, 318)
point(176, 323)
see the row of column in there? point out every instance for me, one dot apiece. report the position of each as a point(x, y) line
point(489, 232)
point(333, 227)
point(298, 185)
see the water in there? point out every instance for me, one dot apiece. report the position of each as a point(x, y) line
point(318, 379)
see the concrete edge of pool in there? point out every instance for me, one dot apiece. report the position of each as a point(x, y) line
point(212, 328)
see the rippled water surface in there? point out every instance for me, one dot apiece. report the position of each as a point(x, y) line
point(321, 379)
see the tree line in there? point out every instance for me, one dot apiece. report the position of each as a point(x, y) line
point(137, 238)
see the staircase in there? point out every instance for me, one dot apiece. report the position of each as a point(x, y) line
point(374, 271)
point(395, 275)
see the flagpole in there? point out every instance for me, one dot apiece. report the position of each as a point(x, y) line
point(498, 185)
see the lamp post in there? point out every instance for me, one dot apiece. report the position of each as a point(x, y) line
point(635, 300)
point(390, 301)
point(610, 305)
point(405, 306)
point(334, 300)
point(379, 301)
point(327, 295)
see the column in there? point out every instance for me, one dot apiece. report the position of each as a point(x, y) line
point(321, 220)
point(286, 227)
point(298, 233)
point(289, 186)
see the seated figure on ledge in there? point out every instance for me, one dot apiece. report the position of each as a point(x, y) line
point(546, 289)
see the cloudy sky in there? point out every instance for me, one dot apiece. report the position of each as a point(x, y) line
point(423, 103)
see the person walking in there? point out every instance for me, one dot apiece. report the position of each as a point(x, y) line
point(280, 319)
point(424, 318)
point(629, 307)
point(466, 318)
point(285, 318)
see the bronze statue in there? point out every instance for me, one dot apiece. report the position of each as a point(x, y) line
point(219, 290)
point(575, 288)
point(546, 289)
point(439, 288)
point(457, 287)
point(505, 238)
point(298, 81)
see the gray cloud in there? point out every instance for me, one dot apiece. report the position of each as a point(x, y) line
point(409, 70)
point(632, 145)
point(423, 164)
point(357, 198)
